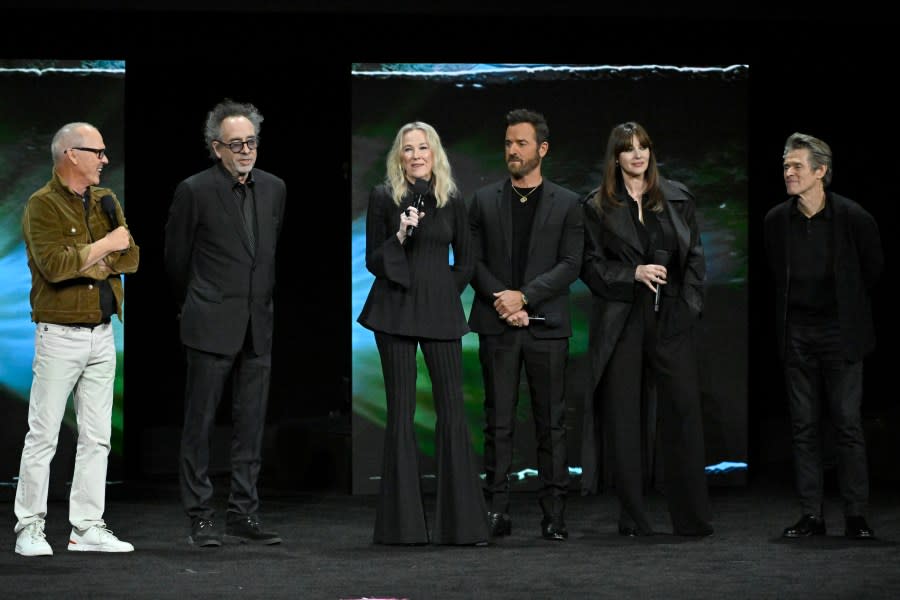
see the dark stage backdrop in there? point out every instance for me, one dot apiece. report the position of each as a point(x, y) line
point(698, 119)
point(37, 97)
point(183, 57)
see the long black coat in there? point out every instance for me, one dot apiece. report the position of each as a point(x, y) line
point(612, 252)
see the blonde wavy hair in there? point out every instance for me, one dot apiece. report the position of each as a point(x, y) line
point(441, 175)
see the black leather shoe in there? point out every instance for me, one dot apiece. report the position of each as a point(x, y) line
point(499, 524)
point(554, 528)
point(807, 525)
point(247, 530)
point(857, 528)
point(204, 533)
point(631, 531)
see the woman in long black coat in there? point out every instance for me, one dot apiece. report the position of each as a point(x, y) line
point(644, 264)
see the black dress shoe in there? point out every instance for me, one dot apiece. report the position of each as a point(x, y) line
point(499, 524)
point(632, 531)
point(807, 525)
point(857, 528)
point(204, 533)
point(246, 529)
point(554, 528)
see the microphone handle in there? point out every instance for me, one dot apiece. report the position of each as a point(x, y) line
point(114, 221)
point(411, 228)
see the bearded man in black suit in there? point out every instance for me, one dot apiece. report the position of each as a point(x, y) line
point(528, 235)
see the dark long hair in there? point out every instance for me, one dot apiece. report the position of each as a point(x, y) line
point(620, 140)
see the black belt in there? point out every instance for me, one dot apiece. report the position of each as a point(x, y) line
point(83, 325)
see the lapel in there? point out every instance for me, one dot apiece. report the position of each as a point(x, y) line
point(229, 205)
point(786, 236)
point(619, 222)
point(544, 208)
point(682, 233)
point(263, 214)
point(504, 215)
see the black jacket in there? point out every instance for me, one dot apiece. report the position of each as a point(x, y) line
point(554, 258)
point(858, 261)
point(219, 281)
point(612, 252)
point(416, 291)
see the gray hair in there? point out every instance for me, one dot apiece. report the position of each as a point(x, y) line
point(69, 136)
point(221, 111)
point(819, 152)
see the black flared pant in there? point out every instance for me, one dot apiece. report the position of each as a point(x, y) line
point(461, 516)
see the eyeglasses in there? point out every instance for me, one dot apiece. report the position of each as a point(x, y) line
point(238, 146)
point(100, 152)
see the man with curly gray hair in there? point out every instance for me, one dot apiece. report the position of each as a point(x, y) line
point(221, 237)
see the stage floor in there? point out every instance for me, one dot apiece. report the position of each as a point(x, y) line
point(327, 553)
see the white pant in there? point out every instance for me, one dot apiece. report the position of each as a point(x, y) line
point(82, 362)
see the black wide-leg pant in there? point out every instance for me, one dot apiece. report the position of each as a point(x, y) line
point(673, 364)
point(461, 516)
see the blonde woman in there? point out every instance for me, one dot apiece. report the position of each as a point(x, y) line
point(412, 220)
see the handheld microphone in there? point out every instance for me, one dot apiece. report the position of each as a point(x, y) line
point(550, 320)
point(420, 188)
point(660, 257)
point(108, 204)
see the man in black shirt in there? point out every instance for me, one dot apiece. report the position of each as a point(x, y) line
point(527, 235)
point(825, 253)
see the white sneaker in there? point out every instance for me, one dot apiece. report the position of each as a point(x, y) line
point(31, 541)
point(97, 538)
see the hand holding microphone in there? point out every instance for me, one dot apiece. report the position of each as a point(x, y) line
point(411, 215)
point(661, 258)
point(420, 188)
point(119, 235)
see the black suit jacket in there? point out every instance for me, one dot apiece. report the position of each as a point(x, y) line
point(554, 257)
point(221, 284)
point(858, 261)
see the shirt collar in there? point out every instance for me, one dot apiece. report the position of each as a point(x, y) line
point(826, 213)
point(233, 182)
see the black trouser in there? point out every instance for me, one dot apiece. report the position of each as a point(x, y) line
point(545, 360)
point(672, 363)
point(205, 381)
point(814, 365)
point(461, 517)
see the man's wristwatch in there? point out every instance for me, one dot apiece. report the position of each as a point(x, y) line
point(524, 299)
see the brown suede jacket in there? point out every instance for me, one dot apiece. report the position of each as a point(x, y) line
point(57, 239)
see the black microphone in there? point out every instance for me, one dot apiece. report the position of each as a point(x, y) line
point(660, 257)
point(420, 188)
point(108, 204)
point(550, 320)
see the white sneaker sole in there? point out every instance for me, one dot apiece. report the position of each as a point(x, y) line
point(48, 552)
point(90, 548)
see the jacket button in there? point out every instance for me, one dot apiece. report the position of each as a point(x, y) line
point(90, 286)
point(73, 230)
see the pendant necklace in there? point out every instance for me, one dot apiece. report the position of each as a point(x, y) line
point(524, 198)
